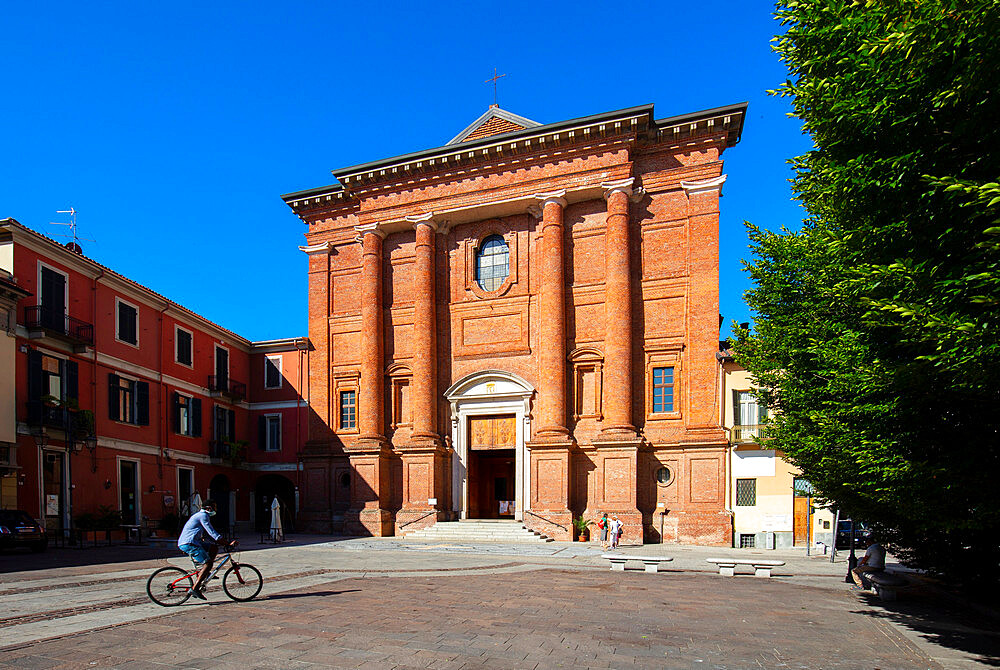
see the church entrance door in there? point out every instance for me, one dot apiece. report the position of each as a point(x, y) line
point(492, 458)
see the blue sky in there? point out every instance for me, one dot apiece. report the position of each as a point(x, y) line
point(173, 129)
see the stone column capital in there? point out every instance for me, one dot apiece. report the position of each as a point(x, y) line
point(369, 228)
point(623, 185)
point(704, 185)
point(557, 197)
point(423, 219)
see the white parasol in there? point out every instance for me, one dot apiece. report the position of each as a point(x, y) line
point(276, 533)
point(195, 504)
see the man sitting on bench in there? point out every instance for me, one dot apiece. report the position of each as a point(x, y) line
point(872, 561)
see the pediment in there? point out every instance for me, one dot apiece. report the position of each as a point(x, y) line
point(495, 121)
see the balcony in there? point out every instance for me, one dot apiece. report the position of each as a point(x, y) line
point(40, 321)
point(42, 414)
point(748, 433)
point(218, 449)
point(224, 386)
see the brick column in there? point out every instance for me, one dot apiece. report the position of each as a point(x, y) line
point(425, 396)
point(617, 312)
point(552, 321)
point(369, 455)
point(550, 450)
point(371, 408)
point(616, 450)
point(424, 464)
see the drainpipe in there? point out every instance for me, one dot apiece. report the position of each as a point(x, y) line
point(302, 346)
point(93, 368)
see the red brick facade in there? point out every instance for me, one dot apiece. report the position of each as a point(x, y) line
point(593, 360)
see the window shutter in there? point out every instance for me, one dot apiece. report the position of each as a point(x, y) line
point(72, 383)
point(195, 418)
point(736, 408)
point(262, 432)
point(34, 375)
point(113, 397)
point(142, 403)
point(177, 412)
point(231, 424)
point(761, 412)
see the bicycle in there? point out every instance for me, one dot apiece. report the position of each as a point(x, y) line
point(171, 586)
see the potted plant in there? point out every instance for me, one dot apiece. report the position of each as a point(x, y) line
point(581, 526)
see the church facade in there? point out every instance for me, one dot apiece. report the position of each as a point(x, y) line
point(522, 323)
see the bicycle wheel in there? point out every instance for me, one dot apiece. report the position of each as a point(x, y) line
point(169, 586)
point(242, 582)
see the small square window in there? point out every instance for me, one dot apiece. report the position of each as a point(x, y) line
point(663, 390)
point(746, 492)
point(348, 410)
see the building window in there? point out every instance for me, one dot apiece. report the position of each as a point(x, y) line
point(747, 540)
point(272, 372)
point(348, 410)
point(128, 400)
point(225, 424)
point(187, 415)
point(127, 322)
point(746, 492)
point(492, 263)
point(182, 340)
point(270, 432)
point(663, 390)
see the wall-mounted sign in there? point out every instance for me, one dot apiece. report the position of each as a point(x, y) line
point(51, 504)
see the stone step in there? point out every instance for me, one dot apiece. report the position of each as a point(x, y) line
point(479, 531)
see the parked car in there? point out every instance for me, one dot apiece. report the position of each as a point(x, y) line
point(861, 533)
point(17, 529)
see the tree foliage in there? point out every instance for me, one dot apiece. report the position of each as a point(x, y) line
point(877, 337)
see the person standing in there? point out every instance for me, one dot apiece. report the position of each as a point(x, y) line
point(602, 525)
point(615, 530)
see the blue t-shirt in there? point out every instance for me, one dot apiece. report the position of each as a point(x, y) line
point(198, 523)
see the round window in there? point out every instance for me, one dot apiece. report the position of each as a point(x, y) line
point(664, 476)
point(492, 263)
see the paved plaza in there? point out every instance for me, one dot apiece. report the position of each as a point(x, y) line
point(393, 603)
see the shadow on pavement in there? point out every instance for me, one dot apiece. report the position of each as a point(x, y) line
point(940, 623)
point(283, 596)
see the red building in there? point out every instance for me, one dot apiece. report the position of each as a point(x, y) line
point(115, 397)
point(522, 323)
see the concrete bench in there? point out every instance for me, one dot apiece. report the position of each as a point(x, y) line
point(761, 567)
point(886, 584)
point(652, 563)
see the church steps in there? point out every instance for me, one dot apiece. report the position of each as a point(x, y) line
point(487, 530)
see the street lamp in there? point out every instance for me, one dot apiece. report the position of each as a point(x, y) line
point(852, 560)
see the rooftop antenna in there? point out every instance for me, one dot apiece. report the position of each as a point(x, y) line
point(494, 80)
point(72, 228)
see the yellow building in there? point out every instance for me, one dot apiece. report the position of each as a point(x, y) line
point(768, 498)
point(10, 293)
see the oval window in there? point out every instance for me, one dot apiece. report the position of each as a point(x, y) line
point(663, 476)
point(492, 263)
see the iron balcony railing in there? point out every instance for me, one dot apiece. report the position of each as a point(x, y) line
point(49, 416)
point(218, 449)
point(748, 433)
point(226, 386)
point(37, 317)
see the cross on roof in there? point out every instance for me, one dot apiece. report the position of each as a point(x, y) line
point(494, 80)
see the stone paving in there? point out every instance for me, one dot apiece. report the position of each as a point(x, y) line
point(393, 603)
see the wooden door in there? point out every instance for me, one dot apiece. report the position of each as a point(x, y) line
point(800, 512)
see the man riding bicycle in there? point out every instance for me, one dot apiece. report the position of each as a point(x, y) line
point(192, 542)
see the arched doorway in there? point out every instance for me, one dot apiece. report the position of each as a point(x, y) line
point(267, 487)
point(491, 421)
point(219, 490)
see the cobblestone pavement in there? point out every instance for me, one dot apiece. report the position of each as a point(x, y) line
point(394, 603)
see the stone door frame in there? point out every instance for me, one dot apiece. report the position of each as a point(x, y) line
point(486, 393)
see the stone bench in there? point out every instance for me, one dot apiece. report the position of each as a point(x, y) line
point(652, 563)
point(761, 567)
point(886, 584)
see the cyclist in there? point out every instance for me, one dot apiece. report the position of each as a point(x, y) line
point(192, 542)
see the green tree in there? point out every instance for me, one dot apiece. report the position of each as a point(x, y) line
point(877, 329)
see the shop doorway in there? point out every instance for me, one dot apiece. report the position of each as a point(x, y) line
point(128, 487)
point(53, 490)
point(267, 488)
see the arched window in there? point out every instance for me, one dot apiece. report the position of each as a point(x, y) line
point(492, 263)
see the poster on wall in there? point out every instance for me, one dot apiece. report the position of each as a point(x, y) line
point(51, 504)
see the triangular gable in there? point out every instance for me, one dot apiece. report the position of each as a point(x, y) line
point(495, 121)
